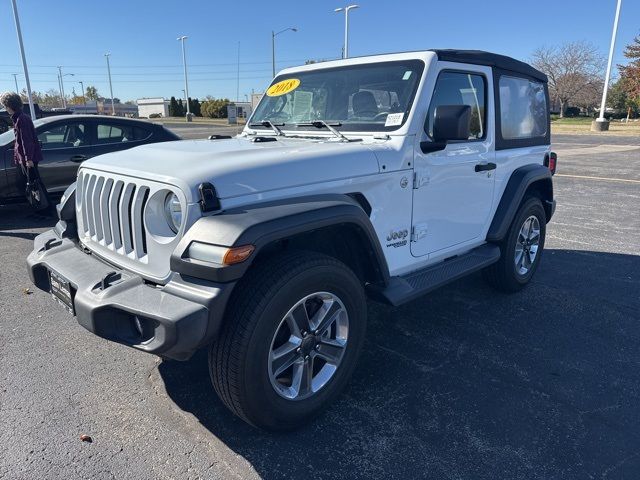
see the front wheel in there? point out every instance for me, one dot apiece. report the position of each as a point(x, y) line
point(291, 340)
point(521, 249)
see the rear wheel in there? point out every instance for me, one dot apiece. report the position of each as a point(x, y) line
point(521, 249)
point(291, 339)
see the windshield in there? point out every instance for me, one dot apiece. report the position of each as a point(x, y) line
point(371, 97)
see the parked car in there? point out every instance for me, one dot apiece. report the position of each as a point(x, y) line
point(383, 177)
point(68, 140)
point(5, 118)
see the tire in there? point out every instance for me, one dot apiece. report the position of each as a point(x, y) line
point(506, 275)
point(241, 363)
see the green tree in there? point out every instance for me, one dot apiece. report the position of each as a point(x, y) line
point(173, 107)
point(181, 110)
point(619, 99)
point(91, 93)
point(194, 107)
point(215, 108)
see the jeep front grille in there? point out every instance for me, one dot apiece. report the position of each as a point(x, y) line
point(121, 219)
point(112, 213)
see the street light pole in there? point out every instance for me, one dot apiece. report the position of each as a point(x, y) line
point(186, 83)
point(15, 79)
point(345, 50)
point(273, 47)
point(611, 49)
point(24, 58)
point(113, 107)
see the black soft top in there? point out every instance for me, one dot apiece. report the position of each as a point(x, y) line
point(479, 57)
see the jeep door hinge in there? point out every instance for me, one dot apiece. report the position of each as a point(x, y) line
point(418, 231)
point(420, 178)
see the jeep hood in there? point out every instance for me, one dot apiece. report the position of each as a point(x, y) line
point(240, 166)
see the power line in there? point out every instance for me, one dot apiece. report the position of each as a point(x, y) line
point(296, 61)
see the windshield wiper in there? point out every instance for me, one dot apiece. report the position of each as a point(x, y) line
point(323, 124)
point(272, 126)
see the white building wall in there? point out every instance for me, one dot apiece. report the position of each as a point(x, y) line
point(149, 106)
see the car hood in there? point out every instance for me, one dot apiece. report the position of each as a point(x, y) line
point(241, 166)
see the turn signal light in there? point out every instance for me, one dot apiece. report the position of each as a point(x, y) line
point(238, 254)
point(205, 252)
point(550, 161)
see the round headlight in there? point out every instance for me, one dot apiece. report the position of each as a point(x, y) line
point(173, 212)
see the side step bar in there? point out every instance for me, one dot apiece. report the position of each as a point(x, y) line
point(415, 284)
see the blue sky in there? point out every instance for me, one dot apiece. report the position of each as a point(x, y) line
point(146, 58)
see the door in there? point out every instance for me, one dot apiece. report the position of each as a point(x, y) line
point(453, 187)
point(65, 144)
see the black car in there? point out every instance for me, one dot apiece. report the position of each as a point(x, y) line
point(68, 140)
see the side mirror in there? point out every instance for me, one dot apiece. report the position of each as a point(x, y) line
point(452, 122)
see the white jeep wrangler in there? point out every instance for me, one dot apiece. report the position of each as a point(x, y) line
point(382, 177)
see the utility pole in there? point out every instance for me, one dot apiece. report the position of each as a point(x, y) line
point(60, 90)
point(345, 50)
point(84, 99)
point(113, 107)
point(186, 83)
point(601, 124)
point(24, 58)
point(15, 79)
point(64, 99)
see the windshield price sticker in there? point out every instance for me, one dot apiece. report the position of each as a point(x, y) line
point(394, 119)
point(283, 87)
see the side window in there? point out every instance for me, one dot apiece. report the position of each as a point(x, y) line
point(64, 136)
point(523, 108)
point(459, 88)
point(119, 133)
point(141, 133)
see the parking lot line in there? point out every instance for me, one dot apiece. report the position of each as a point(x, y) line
point(604, 179)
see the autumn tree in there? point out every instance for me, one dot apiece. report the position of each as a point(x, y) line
point(630, 74)
point(573, 69)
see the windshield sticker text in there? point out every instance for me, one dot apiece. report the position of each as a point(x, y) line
point(283, 87)
point(394, 119)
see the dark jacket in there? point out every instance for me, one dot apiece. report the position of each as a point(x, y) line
point(27, 146)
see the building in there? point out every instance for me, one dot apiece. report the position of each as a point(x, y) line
point(243, 109)
point(255, 99)
point(89, 107)
point(153, 106)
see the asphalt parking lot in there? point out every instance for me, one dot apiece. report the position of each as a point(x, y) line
point(463, 384)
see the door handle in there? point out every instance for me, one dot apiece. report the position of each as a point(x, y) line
point(81, 158)
point(483, 167)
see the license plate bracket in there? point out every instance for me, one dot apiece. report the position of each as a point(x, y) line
point(61, 291)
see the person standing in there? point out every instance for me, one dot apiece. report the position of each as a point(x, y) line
point(26, 151)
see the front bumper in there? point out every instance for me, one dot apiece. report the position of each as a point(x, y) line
point(171, 320)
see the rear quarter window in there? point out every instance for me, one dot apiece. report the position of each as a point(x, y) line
point(523, 108)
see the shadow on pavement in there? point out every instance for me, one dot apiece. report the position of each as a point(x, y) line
point(469, 383)
point(20, 217)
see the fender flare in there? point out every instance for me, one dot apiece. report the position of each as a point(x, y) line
point(264, 223)
point(521, 179)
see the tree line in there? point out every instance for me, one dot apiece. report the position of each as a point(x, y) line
point(210, 107)
point(576, 71)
